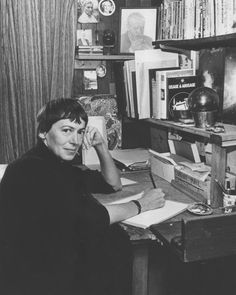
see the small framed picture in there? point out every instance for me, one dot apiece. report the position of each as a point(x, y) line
point(101, 71)
point(84, 37)
point(90, 80)
point(137, 29)
point(88, 11)
point(107, 7)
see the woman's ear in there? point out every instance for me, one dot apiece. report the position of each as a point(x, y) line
point(42, 135)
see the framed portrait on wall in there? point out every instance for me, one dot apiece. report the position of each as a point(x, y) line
point(88, 12)
point(107, 7)
point(137, 29)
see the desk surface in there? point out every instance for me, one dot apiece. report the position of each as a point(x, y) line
point(182, 233)
point(143, 182)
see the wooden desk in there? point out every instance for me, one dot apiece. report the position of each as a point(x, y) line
point(147, 253)
point(151, 259)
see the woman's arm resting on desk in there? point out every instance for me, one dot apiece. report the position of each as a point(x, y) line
point(151, 199)
point(108, 169)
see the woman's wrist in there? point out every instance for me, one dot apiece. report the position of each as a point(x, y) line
point(138, 205)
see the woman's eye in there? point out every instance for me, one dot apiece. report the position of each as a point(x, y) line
point(81, 132)
point(67, 130)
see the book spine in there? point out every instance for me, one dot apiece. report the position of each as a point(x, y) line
point(163, 96)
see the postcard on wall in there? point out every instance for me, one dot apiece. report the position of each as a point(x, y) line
point(90, 80)
point(211, 70)
point(229, 101)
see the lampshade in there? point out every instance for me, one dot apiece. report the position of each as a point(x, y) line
point(203, 99)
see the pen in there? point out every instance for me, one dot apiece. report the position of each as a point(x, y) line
point(152, 179)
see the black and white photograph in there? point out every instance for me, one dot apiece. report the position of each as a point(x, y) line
point(90, 80)
point(117, 147)
point(84, 37)
point(107, 7)
point(101, 70)
point(137, 29)
point(88, 11)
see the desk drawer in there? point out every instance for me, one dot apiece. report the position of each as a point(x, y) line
point(200, 238)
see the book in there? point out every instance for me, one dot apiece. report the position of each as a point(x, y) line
point(148, 218)
point(144, 61)
point(162, 90)
point(131, 159)
point(177, 91)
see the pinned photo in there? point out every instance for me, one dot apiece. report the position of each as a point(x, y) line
point(90, 80)
point(101, 71)
point(107, 7)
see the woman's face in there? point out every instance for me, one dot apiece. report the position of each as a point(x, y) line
point(65, 138)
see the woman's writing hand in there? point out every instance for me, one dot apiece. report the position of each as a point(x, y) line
point(92, 137)
point(152, 199)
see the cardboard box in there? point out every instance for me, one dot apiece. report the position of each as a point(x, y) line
point(162, 164)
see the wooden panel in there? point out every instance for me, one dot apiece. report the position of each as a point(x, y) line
point(209, 237)
point(218, 165)
point(140, 269)
point(159, 140)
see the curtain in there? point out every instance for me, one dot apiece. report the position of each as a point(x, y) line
point(36, 63)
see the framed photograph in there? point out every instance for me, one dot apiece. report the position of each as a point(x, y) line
point(137, 29)
point(88, 12)
point(107, 7)
point(90, 80)
point(101, 71)
point(84, 37)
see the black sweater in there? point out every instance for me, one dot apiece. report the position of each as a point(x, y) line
point(55, 238)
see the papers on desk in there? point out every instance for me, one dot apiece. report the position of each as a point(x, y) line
point(131, 159)
point(2, 170)
point(148, 218)
point(126, 181)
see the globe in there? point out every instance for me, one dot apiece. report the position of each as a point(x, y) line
point(203, 99)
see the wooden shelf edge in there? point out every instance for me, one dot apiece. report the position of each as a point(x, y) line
point(222, 139)
point(115, 57)
point(200, 43)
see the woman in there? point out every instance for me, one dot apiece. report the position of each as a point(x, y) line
point(55, 238)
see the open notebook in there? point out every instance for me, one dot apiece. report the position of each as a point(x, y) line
point(148, 218)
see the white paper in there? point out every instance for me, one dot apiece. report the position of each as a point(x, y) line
point(126, 181)
point(90, 157)
point(148, 218)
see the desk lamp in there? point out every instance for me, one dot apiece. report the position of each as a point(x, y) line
point(203, 103)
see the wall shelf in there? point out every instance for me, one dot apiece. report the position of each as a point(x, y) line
point(116, 57)
point(228, 40)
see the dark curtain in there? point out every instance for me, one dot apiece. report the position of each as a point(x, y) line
point(36, 64)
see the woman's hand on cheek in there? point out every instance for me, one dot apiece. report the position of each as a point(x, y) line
point(92, 137)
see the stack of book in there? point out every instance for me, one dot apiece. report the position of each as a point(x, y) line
point(91, 49)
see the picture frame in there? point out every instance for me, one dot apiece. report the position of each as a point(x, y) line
point(107, 7)
point(88, 12)
point(137, 29)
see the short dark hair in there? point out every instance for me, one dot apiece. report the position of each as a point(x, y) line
point(58, 109)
